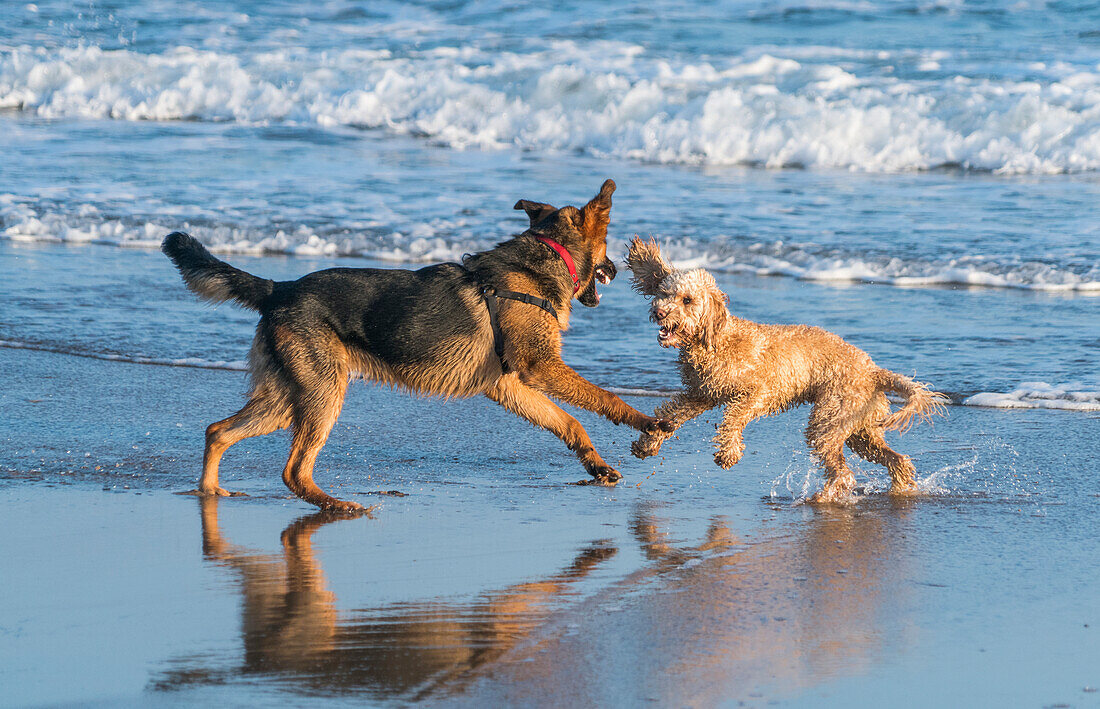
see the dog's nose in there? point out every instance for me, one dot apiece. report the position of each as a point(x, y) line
point(661, 313)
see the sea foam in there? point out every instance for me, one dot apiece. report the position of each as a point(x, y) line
point(773, 107)
point(442, 239)
point(1040, 395)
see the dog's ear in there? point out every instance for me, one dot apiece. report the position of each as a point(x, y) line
point(536, 211)
point(715, 315)
point(647, 265)
point(595, 215)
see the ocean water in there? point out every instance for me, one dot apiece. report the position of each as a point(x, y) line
point(948, 149)
point(920, 176)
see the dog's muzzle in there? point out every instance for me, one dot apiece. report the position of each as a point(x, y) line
point(667, 331)
point(604, 273)
point(666, 335)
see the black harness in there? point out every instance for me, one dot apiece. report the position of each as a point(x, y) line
point(490, 294)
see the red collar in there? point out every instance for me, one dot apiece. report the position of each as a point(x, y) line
point(564, 253)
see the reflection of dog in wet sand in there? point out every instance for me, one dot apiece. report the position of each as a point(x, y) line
point(716, 617)
point(755, 370)
point(291, 624)
point(429, 331)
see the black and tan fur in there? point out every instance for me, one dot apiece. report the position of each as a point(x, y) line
point(427, 331)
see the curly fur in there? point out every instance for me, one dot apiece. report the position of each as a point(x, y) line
point(754, 370)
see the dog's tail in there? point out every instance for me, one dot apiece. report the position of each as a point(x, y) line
point(212, 279)
point(920, 401)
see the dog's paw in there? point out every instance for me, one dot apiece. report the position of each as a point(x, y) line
point(833, 493)
point(726, 459)
point(644, 447)
point(604, 475)
point(904, 488)
point(213, 492)
point(343, 507)
point(653, 426)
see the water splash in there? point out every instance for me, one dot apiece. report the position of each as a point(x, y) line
point(991, 472)
point(801, 477)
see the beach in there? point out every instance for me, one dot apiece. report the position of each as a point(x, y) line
point(482, 575)
point(920, 178)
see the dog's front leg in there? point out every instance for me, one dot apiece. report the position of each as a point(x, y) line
point(558, 379)
point(677, 411)
point(532, 405)
point(728, 442)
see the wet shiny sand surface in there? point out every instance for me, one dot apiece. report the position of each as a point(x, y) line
point(492, 581)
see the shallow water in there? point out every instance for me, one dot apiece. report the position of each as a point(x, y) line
point(920, 178)
point(100, 301)
point(494, 581)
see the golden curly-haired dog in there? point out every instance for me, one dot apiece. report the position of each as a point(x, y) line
point(755, 370)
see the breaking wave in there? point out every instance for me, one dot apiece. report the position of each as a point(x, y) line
point(448, 239)
point(812, 107)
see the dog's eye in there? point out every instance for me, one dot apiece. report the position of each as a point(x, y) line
point(687, 300)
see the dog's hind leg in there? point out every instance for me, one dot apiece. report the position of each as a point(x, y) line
point(826, 434)
point(318, 366)
point(311, 426)
point(265, 412)
point(536, 408)
point(869, 443)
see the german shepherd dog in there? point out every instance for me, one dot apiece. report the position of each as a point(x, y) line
point(427, 331)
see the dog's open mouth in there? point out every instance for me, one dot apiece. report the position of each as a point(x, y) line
point(603, 277)
point(603, 273)
point(666, 334)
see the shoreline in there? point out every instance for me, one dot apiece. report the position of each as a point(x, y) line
point(1036, 397)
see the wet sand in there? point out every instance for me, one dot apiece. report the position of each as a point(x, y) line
point(495, 582)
